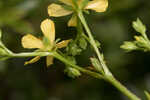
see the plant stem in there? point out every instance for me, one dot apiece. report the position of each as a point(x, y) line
point(31, 54)
point(64, 60)
point(108, 75)
point(93, 43)
point(122, 88)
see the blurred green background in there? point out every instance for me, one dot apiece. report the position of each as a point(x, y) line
point(111, 28)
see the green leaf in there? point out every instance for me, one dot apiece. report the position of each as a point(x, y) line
point(147, 95)
point(96, 64)
point(139, 26)
point(82, 43)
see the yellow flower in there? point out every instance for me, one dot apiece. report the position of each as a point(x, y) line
point(48, 28)
point(56, 10)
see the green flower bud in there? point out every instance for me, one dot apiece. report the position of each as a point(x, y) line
point(82, 43)
point(96, 64)
point(139, 26)
point(129, 46)
point(72, 72)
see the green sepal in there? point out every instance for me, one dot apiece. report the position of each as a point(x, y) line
point(96, 64)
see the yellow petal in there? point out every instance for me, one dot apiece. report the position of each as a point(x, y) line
point(30, 41)
point(73, 21)
point(49, 60)
point(67, 2)
point(35, 59)
point(56, 10)
point(62, 44)
point(48, 29)
point(97, 5)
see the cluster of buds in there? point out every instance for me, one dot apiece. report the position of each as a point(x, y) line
point(141, 42)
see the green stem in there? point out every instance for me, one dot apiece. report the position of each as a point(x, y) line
point(88, 72)
point(108, 75)
point(61, 58)
point(122, 88)
point(93, 43)
point(31, 54)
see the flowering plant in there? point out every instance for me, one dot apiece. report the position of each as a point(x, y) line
point(49, 47)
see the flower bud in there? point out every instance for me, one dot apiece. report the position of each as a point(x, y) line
point(129, 46)
point(139, 26)
point(72, 72)
point(96, 64)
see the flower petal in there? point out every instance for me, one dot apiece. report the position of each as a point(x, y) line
point(35, 59)
point(49, 60)
point(73, 21)
point(48, 29)
point(67, 2)
point(30, 41)
point(63, 43)
point(97, 5)
point(56, 10)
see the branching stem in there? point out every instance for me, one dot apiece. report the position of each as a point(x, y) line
point(108, 75)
